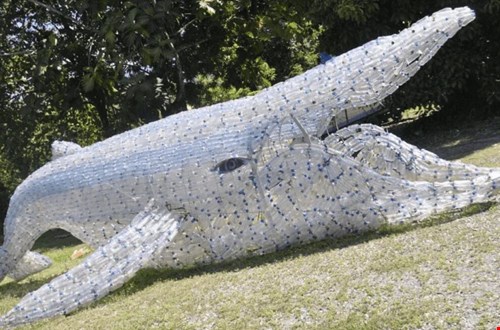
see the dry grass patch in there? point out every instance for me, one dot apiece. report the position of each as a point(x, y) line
point(440, 274)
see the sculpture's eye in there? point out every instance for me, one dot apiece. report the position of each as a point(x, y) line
point(230, 165)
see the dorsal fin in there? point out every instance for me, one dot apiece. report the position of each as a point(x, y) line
point(64, 148)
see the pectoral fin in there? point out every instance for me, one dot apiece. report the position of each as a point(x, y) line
point(107, 269)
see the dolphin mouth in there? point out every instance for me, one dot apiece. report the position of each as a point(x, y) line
point(292, 188)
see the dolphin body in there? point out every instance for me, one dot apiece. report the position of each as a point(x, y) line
point(240, 178)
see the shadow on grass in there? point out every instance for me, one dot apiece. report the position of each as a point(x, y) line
point(22, 288)
point(55, 238)
point(449, 141)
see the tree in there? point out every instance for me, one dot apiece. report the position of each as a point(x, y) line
point(462, 79)
point(85, 70)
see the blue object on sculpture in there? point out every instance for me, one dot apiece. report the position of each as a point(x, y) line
point(240, 178)
point(324, 57)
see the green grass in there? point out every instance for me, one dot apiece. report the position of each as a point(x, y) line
point(442, 273)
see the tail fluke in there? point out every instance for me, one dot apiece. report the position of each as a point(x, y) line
point(31, 263)
point(107, 269)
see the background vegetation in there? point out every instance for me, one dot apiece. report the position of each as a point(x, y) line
point(84, 70)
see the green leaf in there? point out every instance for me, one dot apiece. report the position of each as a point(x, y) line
point(110, 37)
point(88, 83)
point(53, 40)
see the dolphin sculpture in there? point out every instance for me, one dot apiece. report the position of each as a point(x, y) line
point(240, 178)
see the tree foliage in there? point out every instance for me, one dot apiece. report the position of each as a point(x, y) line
point(464, 77)
point(84, 70)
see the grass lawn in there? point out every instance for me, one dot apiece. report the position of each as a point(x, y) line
point(443, 273)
